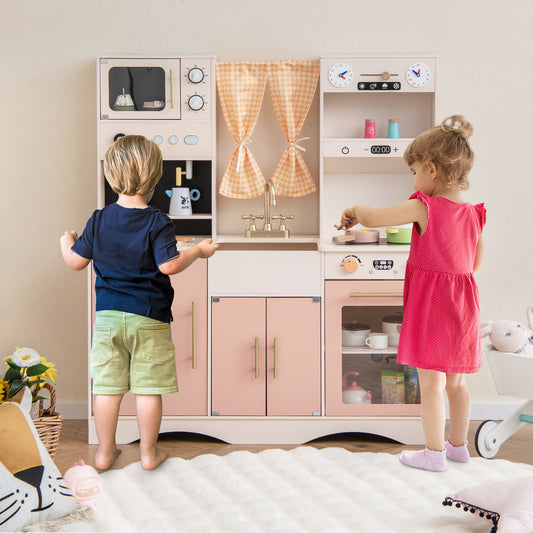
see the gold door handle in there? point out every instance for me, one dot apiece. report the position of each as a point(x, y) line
point(275, 358)
point(257, 358)
point(375, 294)
point(194, 336)
point(171, 88)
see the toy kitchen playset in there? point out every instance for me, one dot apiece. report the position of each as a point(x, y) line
point(280, 338)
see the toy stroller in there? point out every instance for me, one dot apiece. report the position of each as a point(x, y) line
point(512, 374)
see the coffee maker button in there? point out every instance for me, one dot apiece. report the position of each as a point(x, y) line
point(158, 139)
point(173, 139)
point(190, 139)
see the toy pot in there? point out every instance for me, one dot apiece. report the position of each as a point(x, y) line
point(399, 234)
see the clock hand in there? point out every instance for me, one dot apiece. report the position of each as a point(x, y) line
point(416, 73)
point(342, 74)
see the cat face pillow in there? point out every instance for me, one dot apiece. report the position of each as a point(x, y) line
point(31, 486)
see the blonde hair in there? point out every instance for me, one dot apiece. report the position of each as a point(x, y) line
point(133, 165)
point(447, 147)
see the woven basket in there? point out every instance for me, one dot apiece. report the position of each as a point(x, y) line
point(48, 423)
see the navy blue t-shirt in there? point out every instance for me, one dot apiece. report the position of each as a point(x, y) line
point(126, 246)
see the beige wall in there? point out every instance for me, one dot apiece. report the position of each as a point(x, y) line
point(48, 110)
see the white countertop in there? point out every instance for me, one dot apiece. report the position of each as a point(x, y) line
point(383, 246)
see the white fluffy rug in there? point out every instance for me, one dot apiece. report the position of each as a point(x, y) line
point(302, 490)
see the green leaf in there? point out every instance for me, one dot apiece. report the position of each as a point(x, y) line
point(12, 375)
point(38, 398)
point(36, 370)
point(13, 365)
point(16, 386)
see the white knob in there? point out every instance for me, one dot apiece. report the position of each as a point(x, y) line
point(196, 102)
point(196, 75)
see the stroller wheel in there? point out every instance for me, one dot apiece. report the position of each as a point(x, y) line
point(486, 444)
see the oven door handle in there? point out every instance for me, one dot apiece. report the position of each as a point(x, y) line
point(375, 294)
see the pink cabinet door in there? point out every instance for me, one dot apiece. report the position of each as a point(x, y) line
point(238, 356)
point(375, 298)
point(189, 333)
point(293, 356)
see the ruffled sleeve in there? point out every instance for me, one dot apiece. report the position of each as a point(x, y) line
point(419, 195)
point(481, 214)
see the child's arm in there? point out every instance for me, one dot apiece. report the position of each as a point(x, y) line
point(72, 259)
point(479, 254)
point(187, 257)
point(411, 211)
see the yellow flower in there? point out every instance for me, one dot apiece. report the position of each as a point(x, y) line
point(51, 373)
point(4, 389)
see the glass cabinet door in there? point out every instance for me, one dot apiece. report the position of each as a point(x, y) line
point(139, 89)
point(362, 325)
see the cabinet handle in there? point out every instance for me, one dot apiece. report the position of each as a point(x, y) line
point(194, 337)
point(171, 89)
point(375, 294)
point(257, 358)
point(275, 358)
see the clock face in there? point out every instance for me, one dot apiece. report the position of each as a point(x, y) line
point(340, 75)
point(418, 74)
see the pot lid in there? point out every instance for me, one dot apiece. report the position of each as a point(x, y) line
point(394, 319)
point(355, 326)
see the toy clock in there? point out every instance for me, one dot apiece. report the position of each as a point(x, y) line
point(418, 74)
point(340, 75)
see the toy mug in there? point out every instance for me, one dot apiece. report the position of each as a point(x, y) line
point(378, 341)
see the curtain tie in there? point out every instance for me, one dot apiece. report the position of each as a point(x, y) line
point(239, 157)
point(297, 141)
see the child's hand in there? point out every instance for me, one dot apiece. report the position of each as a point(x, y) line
point(206, 248)
point(69, 238)
point(348, 219)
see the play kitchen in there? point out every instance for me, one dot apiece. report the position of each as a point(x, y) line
point(319, 316)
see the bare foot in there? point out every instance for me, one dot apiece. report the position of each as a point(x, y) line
point(104, 461)
point(153, 460)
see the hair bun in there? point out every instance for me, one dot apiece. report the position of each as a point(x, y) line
point(458, 124)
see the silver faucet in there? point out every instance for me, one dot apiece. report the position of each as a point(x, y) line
point(270, 199)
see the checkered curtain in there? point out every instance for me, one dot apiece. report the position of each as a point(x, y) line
point(241, 86)
point(292, 85)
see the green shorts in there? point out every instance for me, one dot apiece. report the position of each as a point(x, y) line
point(132, 352)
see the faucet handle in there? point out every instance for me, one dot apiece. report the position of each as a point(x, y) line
point(252, 219)
point(282, 219)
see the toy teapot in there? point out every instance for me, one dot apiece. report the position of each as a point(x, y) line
point(351, 391)
point(180, 201)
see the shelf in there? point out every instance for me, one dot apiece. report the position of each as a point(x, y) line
point(362, 350)
point(199, 216)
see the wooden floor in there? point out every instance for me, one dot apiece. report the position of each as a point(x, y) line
point(73, 445)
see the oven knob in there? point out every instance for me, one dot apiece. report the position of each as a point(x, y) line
point(118, 136)
point(350, 265)
point(195, 75)
point(196, 102)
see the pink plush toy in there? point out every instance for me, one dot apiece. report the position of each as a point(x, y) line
point(510, 336)
point(84, 482)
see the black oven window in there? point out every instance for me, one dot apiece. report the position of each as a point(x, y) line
point(137, 89)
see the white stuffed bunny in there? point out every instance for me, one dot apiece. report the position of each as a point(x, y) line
point(510, 336)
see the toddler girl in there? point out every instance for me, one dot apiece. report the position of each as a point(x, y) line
point(440, 330)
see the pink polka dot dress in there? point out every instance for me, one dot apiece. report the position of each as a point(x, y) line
point(440, 329)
